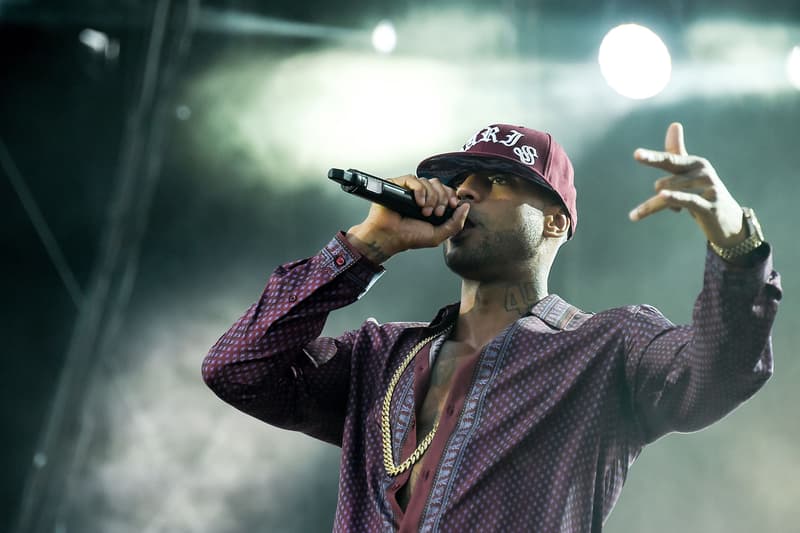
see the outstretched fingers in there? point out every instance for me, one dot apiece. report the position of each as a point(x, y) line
point(674, 158)
point(674, 163)
point(668, 198)
point(673, 142)
point(698, 181)
point(693, 185)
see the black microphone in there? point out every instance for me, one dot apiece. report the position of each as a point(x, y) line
point(386, 193)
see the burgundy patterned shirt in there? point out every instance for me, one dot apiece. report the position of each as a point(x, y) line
point(540, 427)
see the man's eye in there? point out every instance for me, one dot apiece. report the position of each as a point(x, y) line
point(499, 180)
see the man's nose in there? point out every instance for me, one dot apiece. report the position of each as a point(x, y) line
point(470, 189)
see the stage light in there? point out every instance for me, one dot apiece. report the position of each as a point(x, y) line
point(793, 67)
point(183, 112)
point(99, 43)
point(384, 37)
point(96, 40)
point(39, 460)
point(635, 61)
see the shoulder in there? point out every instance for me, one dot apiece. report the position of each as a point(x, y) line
point(560, 315)
point(373, 324)
point(392, 329)
point(375, 332)
point(633, 315)
point(634, 326)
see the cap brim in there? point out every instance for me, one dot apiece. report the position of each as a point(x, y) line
point(448, 166)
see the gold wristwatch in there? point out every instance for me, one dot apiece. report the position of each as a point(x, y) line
point(755, 238)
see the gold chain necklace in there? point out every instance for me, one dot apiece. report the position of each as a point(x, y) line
point(386, 431)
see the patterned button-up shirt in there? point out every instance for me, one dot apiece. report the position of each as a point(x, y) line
point(539, 428)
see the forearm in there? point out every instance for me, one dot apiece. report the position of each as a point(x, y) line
point(734, 314)
point(259, 364)
point(376, 248)
point(690, 376)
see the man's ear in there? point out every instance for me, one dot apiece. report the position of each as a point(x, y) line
point(556, 223)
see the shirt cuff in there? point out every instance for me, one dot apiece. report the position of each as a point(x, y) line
point(757, 273)
point(344, 259)
point(755, 260)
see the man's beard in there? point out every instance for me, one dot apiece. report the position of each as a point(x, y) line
point(485, 257)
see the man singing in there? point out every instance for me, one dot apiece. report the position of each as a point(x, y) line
point(511, 410)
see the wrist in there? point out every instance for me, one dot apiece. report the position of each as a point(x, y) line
point(750, 238)
point(374, 245)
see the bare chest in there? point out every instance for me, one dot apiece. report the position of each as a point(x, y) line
point(451, 356)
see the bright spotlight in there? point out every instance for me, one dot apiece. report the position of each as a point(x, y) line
point(99, 43)
point(96, 40)
point(384, 37)
point(634, 61)
point(793, 67)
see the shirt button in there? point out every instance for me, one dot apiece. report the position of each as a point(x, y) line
point(339, 260)
point(292, 298)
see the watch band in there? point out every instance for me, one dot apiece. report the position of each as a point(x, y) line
point(754, 239)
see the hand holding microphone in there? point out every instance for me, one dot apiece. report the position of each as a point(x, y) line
point(415, 216)
point(404, 201)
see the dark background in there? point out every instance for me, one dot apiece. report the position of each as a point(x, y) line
point(175, 174)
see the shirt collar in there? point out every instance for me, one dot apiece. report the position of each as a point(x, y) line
point(557, 313)
point(552, 310)
point(445, 315)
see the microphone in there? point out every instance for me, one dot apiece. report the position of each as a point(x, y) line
point(386, 193)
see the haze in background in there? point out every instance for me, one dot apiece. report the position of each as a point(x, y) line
point(243, 189)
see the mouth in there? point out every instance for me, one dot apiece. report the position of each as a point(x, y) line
point(473, 218)
point(469, 224)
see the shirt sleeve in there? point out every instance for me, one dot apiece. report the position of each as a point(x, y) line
point(683, 378)
point(273, 365)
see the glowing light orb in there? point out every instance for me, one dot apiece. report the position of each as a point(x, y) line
point(793, 67)
point(97, 41)
point(384, 37)
point(635, 61)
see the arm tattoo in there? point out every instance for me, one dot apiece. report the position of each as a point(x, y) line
point(375, 253)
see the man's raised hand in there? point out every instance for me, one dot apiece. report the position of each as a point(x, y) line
point(693, 184)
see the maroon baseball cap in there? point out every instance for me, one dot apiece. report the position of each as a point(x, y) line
point(513, 150)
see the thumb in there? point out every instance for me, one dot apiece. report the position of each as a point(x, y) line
point(674, 143)
point(454, 225)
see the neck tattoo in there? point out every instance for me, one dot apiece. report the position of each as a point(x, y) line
point(520, 297)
